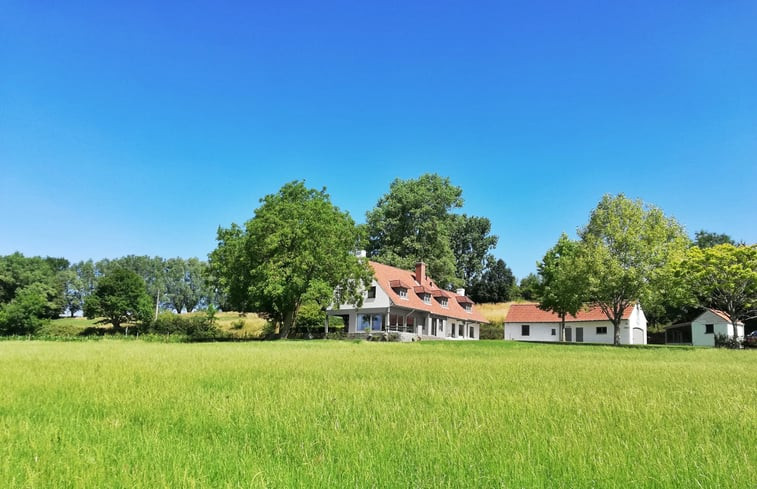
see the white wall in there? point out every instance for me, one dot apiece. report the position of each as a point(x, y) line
point(720, 326)
point(543, 332)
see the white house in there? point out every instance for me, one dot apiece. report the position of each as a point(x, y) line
point(526, 322)
point(702, 330)
point(410, 301)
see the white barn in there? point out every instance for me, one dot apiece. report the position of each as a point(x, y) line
point(526, 322)
point(702, 330)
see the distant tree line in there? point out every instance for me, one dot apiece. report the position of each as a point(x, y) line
point(35, 289)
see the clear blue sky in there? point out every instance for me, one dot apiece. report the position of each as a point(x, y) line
point(139, 128)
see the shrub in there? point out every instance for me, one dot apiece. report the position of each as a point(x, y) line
point(725, 341)
point(195, 327)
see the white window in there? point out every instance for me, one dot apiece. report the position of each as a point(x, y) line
point(443, 301)
point(402, 292)
point(426, 298)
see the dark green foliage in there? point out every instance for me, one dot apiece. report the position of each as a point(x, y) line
point(495, 285)
point(529, 287)
point(120, 296)
point(471, 242)
point(26, 313)
point(706, 239)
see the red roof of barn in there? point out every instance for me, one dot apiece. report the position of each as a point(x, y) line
point(387, 275)
point(530, 313)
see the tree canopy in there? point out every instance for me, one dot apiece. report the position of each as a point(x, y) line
point(495, 285)
point(414, 222)
point(706, 239)
point(120, 296)
point(628, 245)
point(297, 248)
point(723, 277)
point(562, 288)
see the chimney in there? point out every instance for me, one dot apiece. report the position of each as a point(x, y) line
point(460, 292)
point(420, 272)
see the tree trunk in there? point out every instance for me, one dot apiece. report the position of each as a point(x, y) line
point(562, 328)
point(286, 325)
point(616, 327)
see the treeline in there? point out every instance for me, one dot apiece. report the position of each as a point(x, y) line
point(35, 289)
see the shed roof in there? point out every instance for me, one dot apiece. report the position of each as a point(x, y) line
point(530, 313)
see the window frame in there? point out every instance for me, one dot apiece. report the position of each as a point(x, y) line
point(525, 330)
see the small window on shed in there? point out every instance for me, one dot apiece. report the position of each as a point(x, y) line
point(554, 332)
point(525, 330)
point(601, 329)
point(709, 329)
point(372, 292)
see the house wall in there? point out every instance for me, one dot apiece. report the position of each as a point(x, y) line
point(543, 332)
point(720, 326)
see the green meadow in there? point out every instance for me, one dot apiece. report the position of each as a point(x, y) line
point(132, 414)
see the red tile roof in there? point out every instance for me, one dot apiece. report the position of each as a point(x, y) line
point(530, 313)
point(387, 275)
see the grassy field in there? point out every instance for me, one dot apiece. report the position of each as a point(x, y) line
point(356, 414)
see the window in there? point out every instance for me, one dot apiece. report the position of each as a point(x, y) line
point(395, 320)
point(372, 292)
point(525, 330)
point(426, 298)
point(461, 331)
point(467, 307)
point(554, 332)
point(472, 332)
point(370, 322)
point(443, 301)
point(709, 329)
point(402, 292)
point(601, 329)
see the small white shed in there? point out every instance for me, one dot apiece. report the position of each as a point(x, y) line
point(702, 330)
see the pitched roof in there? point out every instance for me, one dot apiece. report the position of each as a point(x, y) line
point(386, 276)
point(530, 313)
point(720, 314)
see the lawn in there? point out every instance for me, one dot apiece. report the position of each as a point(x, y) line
point(132, 414)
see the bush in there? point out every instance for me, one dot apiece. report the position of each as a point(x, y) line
point(492, 331)
point(725, 341)
point(196, 327)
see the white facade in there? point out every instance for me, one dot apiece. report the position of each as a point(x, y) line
point(379, 314)
point(708, 324)
point(633, 330)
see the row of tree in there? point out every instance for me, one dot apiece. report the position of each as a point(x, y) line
point(631, 252)
point(34, 289)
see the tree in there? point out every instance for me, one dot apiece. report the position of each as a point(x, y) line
point(28, 311)
point(18, 272)
point(628, 245)
point(471, 242)
point(562, 287)
point(706, 239)
point(185, 283)
point(723, 277)
point(529, 287)
point(413, 222)
point(120, 296)
point(297, 248)
point(496, 283)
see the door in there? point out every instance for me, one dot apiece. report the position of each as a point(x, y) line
point(579, 335)
point(568, 334)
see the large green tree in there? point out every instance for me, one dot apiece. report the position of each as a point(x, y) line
point(562, 288)
point(723, 277)
point(414, 222)
point(297, 248)
point(120, 296)
point(472, 242)
point(628, 246)
point(185, 283)
point(495, 285)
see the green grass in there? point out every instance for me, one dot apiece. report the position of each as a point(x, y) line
point(356, 414)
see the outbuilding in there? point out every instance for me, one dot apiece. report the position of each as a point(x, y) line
point(526, 322)
point(702, 330)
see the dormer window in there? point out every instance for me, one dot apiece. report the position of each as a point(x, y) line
point(402, 292)
point(443, 301)
point(426, 298)
point(468, 307)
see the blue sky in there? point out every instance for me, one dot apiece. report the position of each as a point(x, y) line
point(139, 128)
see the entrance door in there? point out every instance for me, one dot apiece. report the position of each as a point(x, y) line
point(568, 334)
point(579, 335)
